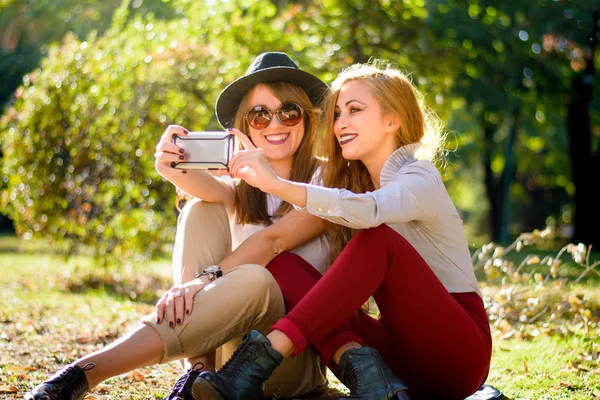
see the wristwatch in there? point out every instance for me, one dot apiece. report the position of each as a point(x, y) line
point(212, 271)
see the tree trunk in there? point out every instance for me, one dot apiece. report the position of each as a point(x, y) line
point(585, 164)
point(508, 176)
point(492, 188)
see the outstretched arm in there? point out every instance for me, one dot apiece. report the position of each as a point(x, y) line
point(414, 196)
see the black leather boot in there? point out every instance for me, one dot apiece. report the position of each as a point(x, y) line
point(364, 372)
point(68, 383)
point(243, 376)
point(183, 387)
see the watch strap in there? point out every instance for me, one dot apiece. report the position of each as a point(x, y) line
point(212, 272)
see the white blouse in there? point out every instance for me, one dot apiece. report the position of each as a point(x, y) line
point(315, 252)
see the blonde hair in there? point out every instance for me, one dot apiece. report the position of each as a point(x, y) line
point(418, 124)
point(250, 202)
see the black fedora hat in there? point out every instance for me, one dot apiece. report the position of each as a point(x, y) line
point(267, 67)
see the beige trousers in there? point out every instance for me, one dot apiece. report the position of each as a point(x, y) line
point(246, 298)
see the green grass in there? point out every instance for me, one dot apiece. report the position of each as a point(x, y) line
point(55, 310)
point(547, 368)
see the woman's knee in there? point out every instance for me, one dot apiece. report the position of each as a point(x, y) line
point(204, 224)
point(257, 280)
point(203, 238)
point(201, 212)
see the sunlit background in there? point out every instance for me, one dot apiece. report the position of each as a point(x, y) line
point(87, 87)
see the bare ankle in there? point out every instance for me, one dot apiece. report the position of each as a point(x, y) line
point(343, 348)
point(206, 363)
point(281, 342)
point(90, 377)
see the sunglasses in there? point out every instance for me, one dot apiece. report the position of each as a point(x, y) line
point(289, 114)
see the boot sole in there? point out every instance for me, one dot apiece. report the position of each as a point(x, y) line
point(202, 389)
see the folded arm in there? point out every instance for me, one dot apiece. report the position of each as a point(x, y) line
point(291, 231)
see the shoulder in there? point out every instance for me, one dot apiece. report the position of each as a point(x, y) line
point(419, 170)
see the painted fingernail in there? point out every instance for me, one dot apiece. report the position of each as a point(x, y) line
point(181, 151)
point(158, 320)
point(184, 172)
point(181, 157)
point(170, 324)
point(187, 312)
point(178, 321)
point(186, 131)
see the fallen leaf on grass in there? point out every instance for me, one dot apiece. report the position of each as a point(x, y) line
point(567, 385)
point(137, 376)
point(20, 369)
point(8, 389)
point(104, 389)
point(83, 339)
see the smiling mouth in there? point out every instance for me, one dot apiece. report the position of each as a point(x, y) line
point(347, 138)
point(277, 138)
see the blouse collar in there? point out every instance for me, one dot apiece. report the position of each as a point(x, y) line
point(397, 160)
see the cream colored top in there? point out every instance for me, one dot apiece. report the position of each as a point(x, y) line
point(315, 252)
point(414, 202)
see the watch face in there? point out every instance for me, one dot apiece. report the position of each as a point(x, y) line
point(212, 269)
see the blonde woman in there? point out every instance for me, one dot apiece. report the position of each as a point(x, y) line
point(396, 236)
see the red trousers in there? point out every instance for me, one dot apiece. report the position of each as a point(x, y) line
point(438, 343)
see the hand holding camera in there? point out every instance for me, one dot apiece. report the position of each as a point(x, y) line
point(180, 149)
point(210, 150)
point(214, 151)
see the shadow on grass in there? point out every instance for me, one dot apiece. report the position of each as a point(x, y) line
point(142, 289)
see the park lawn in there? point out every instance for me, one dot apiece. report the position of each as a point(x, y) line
point(54, 311)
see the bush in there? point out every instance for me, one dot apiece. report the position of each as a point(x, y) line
point(78, 143)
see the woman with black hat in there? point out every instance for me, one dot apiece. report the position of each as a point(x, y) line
point(275, 103)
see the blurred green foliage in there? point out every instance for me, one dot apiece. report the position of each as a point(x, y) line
point(79, 141)
point(27, 28)
point(80, 130)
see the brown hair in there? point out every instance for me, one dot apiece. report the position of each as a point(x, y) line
point(250, 202)
point(395, 93)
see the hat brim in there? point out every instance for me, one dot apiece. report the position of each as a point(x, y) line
point(230, 98)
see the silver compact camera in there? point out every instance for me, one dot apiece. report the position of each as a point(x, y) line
point(205, 150)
